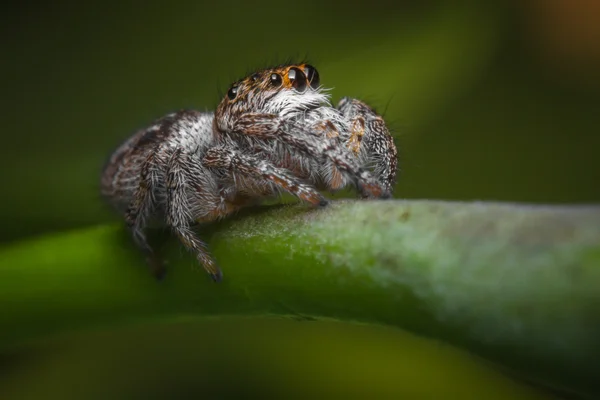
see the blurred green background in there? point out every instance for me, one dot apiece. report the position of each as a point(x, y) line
point(496, 100)
point(489, 100)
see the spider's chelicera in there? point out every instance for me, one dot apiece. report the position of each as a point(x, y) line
point(274, 131)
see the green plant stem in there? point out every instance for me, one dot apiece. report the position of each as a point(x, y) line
point(517, 284)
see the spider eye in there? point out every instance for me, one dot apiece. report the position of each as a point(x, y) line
point(298, 79)
point(276, 80)
point(232, 92)
point(313, 76)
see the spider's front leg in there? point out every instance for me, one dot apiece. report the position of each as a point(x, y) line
point(261, 170)
point(297, 135)
point(370, 140)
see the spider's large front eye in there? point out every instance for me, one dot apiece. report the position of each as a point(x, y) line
point(297, 78)
point(313, 76)
point(232, 92)
point(276, 80)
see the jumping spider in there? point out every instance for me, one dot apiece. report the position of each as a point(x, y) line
point(274, 131)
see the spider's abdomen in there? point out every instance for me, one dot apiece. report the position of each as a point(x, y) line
point(121, 174)
point(187, 130)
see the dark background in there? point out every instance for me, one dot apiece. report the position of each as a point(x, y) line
point(494, 101)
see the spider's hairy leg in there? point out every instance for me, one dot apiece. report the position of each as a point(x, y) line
point(334, 179)
point(137, 213)
point(178, 212)
point(259, 169)
point(371, 140)
point(268, 127)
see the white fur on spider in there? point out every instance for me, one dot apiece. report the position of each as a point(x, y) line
point(327, 113)
point(193, 132)
point(287, 103)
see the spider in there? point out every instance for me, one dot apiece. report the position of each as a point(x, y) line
point(275, 131)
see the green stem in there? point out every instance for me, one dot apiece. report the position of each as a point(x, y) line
point(517, 284)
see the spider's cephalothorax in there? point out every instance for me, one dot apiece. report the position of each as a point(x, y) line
point(284, 91)
point(274, 131)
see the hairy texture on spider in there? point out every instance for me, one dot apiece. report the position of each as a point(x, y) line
point(274, 131)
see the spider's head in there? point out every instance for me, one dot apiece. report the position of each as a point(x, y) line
point(285, 90)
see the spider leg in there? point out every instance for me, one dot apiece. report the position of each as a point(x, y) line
point(370, 140)
point(329, 172)
point(268, 127)
point(137, 213)
point(256, 168)
point(178, 212)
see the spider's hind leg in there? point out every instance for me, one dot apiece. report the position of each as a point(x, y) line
point(181, 173)
point(137, 214)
